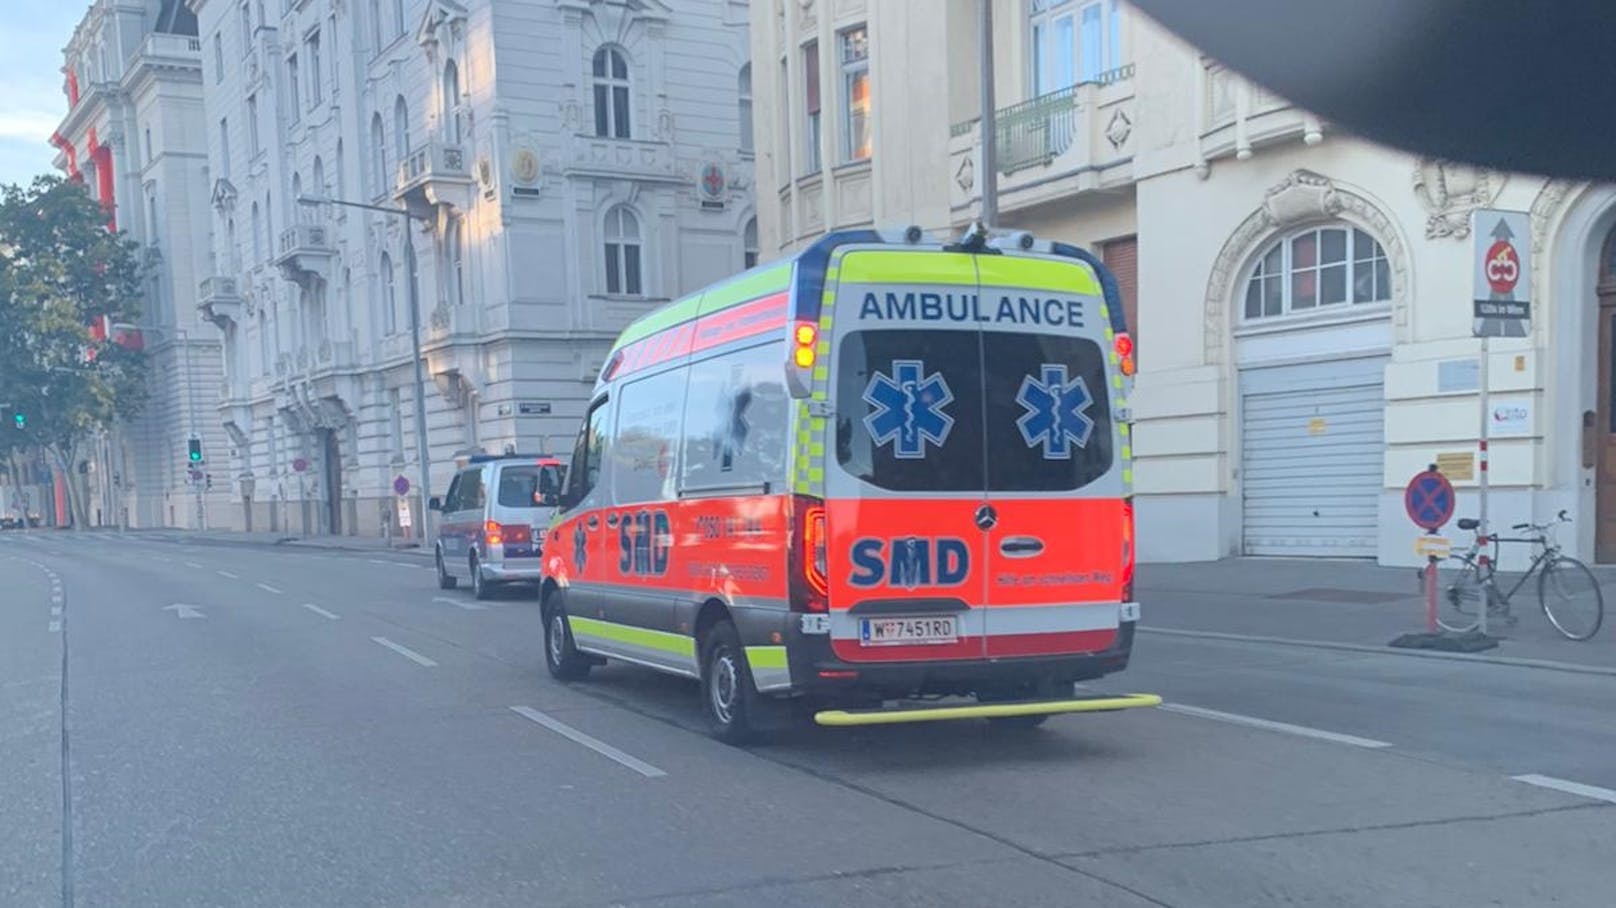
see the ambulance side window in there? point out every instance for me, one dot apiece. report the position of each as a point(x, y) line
point(646, 443)
point(587, 455)
point(737, 417)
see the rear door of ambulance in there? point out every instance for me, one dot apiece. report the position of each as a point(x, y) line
point(1058, 528)
point(974, 492)
point(904, 457)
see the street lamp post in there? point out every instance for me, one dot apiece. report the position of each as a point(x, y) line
point(988, 122)
point(422, 451)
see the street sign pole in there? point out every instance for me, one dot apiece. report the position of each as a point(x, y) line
point(1481, 466)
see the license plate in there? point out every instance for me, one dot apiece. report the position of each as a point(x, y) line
point(908, 631)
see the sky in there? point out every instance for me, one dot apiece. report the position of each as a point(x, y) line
point(31, 103)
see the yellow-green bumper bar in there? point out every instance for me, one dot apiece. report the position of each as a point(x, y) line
point(847, 717)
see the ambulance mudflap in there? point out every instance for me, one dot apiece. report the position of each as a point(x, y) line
point(975, 496)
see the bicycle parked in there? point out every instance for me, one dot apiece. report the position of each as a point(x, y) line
point(1566, 589)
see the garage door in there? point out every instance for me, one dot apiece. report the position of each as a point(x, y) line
point(1312, 439)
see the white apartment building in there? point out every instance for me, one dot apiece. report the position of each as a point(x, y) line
point(133, 133)
point(566, 166)
point(1303, 313)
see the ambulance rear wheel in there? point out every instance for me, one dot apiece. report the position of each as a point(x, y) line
point(729, 698)
point(1037, 690)
point(561, 657)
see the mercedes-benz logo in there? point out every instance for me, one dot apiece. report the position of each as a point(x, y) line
point(986, 517)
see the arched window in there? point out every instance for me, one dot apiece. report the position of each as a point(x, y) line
point(378, 149)
point(749, 243)
point(389, 297)
point(257, 235)
point(1318, 268)
point(743, 84)
point(319, 189)
point(622, 251)
point(412, 275)
point(401, 129)
point(611, 93)
point(455, 243)
point(451, 101)
point(342, 188)
point(298, 211)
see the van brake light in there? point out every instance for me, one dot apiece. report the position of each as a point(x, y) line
point(495, 533)
point(1129, 555)
point(1124, 348)
point(809, 562)
point(804, 345)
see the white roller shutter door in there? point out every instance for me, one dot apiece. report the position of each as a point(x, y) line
point(1313, 442)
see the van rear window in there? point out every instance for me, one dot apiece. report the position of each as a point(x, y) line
point(521, 486)
point(916, 411)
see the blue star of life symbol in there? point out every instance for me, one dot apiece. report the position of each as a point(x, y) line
point(908, 409)
point(580, 547)
point(1055, 416)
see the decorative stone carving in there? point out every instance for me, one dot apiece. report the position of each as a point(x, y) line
point(224, 196)
point(1450, 192)
point(571, 115)
point(1550, 199)
point(664, 125)
point(965, 176)
point(1119, 129)
point(1300, 197)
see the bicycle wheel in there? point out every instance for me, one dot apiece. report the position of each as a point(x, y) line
point(1571, 599)
point(1459, 594)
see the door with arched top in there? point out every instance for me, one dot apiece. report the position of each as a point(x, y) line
point(1603, 441)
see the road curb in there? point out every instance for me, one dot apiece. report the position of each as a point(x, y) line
point(1546, 664)
point(294, 542)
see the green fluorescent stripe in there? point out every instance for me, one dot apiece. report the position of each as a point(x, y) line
point(1038, 274)
point(678, 644)
point(766, 656)
point(881, 266)
point(744, 287)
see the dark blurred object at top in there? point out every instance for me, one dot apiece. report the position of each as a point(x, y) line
point(1506, 83)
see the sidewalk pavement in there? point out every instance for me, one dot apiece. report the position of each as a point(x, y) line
point(1343, 604)
point(233, 537)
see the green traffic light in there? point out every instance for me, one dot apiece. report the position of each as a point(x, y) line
point(194, 450)
point(20, 420)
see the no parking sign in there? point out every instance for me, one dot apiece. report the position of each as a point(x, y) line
point(1429, 500)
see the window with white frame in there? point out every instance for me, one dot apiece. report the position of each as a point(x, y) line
point(218, 57)
point(451, 102)
point(611, 88)
point(401, 129)
point(855, 57)
point(743, 85)
point(257, 235)
point(253, 146)
point(454, 242)
point(294, 94)
point(246, 29)
point(1073, 41)
point(378, 150)
point(389, 296)
point(224, 147)
point(749, 244)
point(623, 252)
point(311, 46)
point(810, 81)
point(1318, 268)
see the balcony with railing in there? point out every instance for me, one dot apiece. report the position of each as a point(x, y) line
point(305, 254)
point(1234, 116)
point(1073, 140)
point(219, 300)
point(165, 46)
point(437, 173)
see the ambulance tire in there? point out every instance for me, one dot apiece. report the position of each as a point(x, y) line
point(561, 657)
point(1039, 690)
point(728, 695)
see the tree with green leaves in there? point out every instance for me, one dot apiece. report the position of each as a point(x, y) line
point(62, 271)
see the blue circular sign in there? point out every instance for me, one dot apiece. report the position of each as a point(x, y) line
point(1429, 500)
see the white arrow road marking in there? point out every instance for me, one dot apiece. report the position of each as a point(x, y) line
point(468, 606)
point(267, 588)
point(1576, 788)
point(320, 611)
point(598, 746)
point(184, 611)
point(405, 651)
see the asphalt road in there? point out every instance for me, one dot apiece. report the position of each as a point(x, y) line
point(261, 726)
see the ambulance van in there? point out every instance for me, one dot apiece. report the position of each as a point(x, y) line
point(887, 479)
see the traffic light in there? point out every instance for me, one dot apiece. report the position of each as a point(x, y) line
point(193, 450)
point(20, 419)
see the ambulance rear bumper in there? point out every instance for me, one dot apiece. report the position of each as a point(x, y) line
point(816, 671)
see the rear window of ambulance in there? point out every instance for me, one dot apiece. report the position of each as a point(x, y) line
point(916, 411)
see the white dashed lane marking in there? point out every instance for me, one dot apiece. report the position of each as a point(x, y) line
point(405, 651)
point(1282, 727)
point(1576, 788)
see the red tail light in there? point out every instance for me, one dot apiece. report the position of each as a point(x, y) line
point(1124, 348)
point(809, 586)
point(1129, 555)
point(507, 533)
